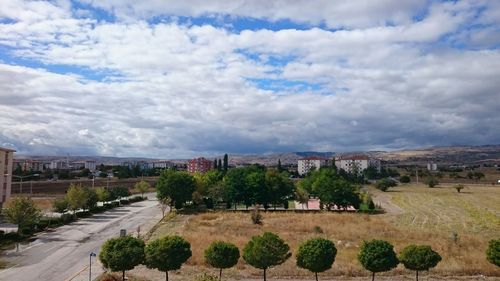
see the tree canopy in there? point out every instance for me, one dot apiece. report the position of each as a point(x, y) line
point(176, 185)
point(266, 251)
point(377, 256)
point(316, 255)
point(493, 252)
point(121, 254)
point(222, 255)
point(419, 257)
point(22, 211)
point(167, 253)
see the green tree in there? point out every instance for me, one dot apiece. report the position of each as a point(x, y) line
point(316, 255)
point(176, 185)
point(215, 164)
point(222, 255)
point(377, 256)
point(23, 212)
point(167, 253)
point(493, 252)
point(76, 197)
point(280, 169)
point(478, 175)
point(371, 173)
point(279, 186)
point(419, 257)
point(219, 165)
point(142, 187)
point(60, 205)
point(335, 191)
point(266, 251)
point(225, 163)
point(119, 192)
point(121, 254)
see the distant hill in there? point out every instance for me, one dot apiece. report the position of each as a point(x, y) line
point(443, 154)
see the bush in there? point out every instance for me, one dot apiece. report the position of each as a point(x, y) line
point(256, 216)
point(206, 277)
point(167, 253)
point(124, 202)
point(317, 229)
point(60, 205)
point(493, 252)
point(67, 218)
point(405, 179)
point(385, 183)
point(83, 214)
point(459, 187)
point(432, 182)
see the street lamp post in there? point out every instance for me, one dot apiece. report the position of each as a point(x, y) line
point(92, 254)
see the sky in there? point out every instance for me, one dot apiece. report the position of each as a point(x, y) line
point(177, 79)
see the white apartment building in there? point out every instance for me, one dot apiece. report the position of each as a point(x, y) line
point(6, 160)
point(356, 163)
point(305, 165)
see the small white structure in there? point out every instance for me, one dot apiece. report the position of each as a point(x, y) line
point(431, 166)
point(356, 163)
point(305, 165)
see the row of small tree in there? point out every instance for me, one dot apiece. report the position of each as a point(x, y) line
point(78, 197)
point(266, 251)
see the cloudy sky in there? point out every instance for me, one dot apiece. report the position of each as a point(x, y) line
point(171, 79)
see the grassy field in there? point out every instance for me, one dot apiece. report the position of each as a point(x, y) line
point(425, 216)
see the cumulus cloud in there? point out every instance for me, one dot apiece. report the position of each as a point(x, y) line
point(404, 74)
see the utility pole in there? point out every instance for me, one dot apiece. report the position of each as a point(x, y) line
point(417, 172)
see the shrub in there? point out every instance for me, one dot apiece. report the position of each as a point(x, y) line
point(405, 179)
point(256, 216)
point(121, 254)
point(377, 256)
point(493, 252)
point(432, 182)
point(459, 187)
point(385, 183)
point(206, 277)
point(60, 205)
point(67, 218)
point(167, 253)
point(84, 214)
point(222, 255)
point(124, 202)
point(316, 255)
point(266, 251)
point(419, 258)
point(317, 229)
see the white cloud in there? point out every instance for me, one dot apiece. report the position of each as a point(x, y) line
point(177, 90)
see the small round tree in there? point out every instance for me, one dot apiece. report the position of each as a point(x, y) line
point(459, 187)
point(316, 255)
point(121, 254)
point(167, 253)
point(493, 252)
point(222, 255)
point(419, 257)
point(377, 256)
point(266, 251)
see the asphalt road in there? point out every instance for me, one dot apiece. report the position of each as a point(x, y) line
point(62, 254)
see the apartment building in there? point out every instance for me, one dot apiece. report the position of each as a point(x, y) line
point(356, 163)
point(305, 165)
point(6, 160)
point(199, 165)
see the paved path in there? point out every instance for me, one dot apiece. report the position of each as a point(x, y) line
point(64, 253)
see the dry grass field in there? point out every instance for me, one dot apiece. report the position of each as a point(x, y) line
point(422, 216)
